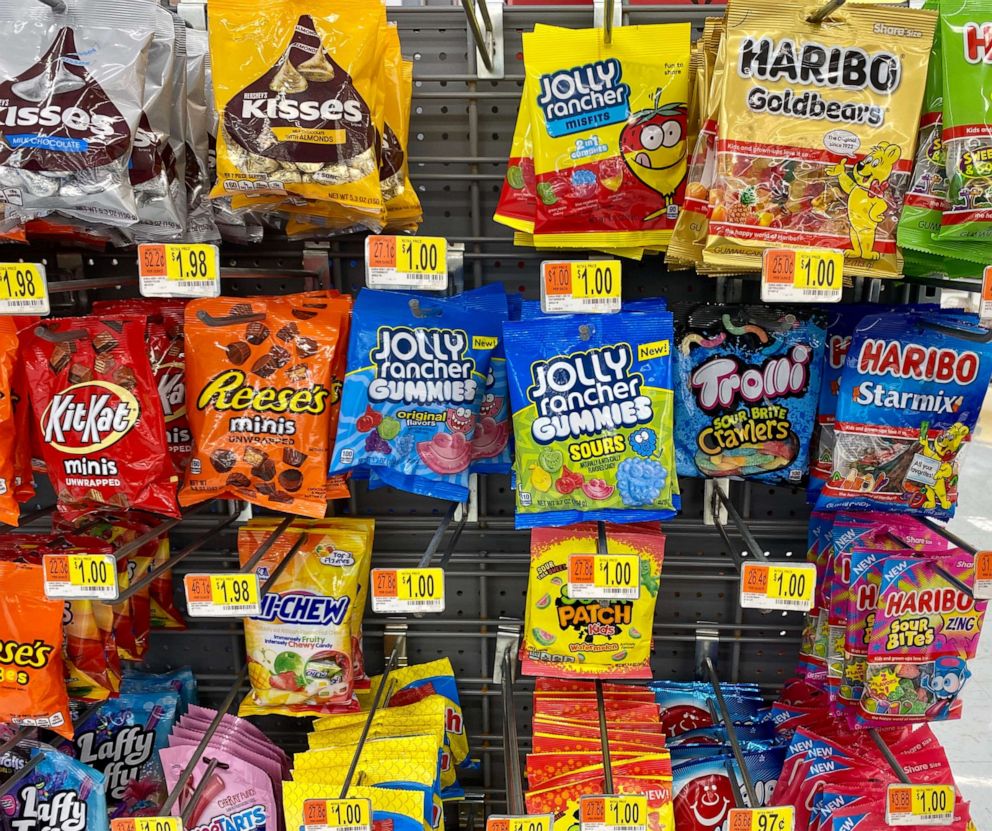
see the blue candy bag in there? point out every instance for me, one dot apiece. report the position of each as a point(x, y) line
point(410, 400)
point(910, 394)
point(181, 681)
point(121, 739)
point(60, 794)
point(592, 418)
point(748, 385)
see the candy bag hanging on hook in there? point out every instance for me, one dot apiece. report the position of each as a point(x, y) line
point(60, 794)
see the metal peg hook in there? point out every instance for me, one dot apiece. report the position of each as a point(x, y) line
point(56, 6)
point(825, 11)
point(608, 21)
point(484, 43)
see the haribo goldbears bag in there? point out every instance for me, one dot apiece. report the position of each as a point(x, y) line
point(749, 379)
point(909, 399)
point(816, 132)
point(592, 417)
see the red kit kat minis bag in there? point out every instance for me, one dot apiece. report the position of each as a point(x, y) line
point(98, 415)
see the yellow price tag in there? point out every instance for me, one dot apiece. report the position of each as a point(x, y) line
point(234, 589)
point(399, 262)
point(337, 814)
point(191, 262)
point(627, 812)
point(819, 269)
point(408, 590)
point(762, 819)
point(526, 822)
point(147, 824)
point(604, 576)
point(421, 255)
point(420, 583)
point(23, 289)
point(596, 279)
point(580, 286)
point(92, 570)
point(778, 586)
point(919, 805)
point(810, 275)
point(788, 583)
point(222, 595)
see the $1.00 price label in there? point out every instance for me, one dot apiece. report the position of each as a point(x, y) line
point(408, 590)
point(147, 824)
point(628, 812)
point(415, 263)
point(762, 819)
point(580, 286)
point(179, 270)
point(222, 595)
point(91, 576)
point(919, 805)
point(604, 576)
point(983, 575)
point(782, 586)
point(23, 289)
point(813, 275)
point(525, 822)
point(337, 815)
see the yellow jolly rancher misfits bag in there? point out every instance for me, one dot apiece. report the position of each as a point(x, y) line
point(296, 91)
point(816, 132)
point(609, 132)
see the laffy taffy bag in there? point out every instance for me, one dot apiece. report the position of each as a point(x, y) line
point(609, 129)
point(295, 86)
point(816, 132)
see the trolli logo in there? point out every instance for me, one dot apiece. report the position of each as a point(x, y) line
point(88, 417)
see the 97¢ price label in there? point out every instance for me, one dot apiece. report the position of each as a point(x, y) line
point(524, 822)
point(580, 286)
point(786, 586)
point(23, 289)
point(407, 590)
point(604, 576)
point(337, 814)
point(222, 595)
point(627, 812)
point(147, 824)
point(782, 818)
point(811, 275)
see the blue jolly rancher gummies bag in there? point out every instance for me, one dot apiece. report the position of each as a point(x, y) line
point(412, 392)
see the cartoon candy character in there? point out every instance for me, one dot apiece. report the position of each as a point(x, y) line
point(653, 145)
point(949, 675)
point(704, 803)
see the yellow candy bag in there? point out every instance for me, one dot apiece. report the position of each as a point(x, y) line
point(816, 132)
point(295, 86)
point(397, 809)
point(609, 130)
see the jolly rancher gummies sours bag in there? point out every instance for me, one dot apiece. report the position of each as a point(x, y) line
point(816, 132)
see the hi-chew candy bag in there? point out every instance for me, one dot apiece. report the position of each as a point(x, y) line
point(749, 382)
point(410, 404)
point(565, 637)
point(923, 634)
point(60, 794)
point(910, 394)
point(816, 132)
point(98, 415)
point(592, 417)
point(258, 378)
point(32, 684)
point(609, 127)
point(122, 739)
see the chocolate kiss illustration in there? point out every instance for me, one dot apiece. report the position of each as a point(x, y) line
point(91, 128)
point(304, 73)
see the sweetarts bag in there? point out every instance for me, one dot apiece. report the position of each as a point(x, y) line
point(416, 371)
point(816, 132)
point(60, 794)
point(592, 417)
point(910, 395)
point(749, 380)
point(99, 416)
point(72, 91)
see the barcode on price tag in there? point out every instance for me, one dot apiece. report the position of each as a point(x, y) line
point(179, 270)
point(337, 814)
point(522, 822)
point(919, 805)
point(413, 263)
point(762, 819)
point(23, 289)
point(604, 576)
point(580, 286)
point(811, 275)
point(89, 576)
point(983, 575)
point(222, 595)
point(783, 586)
point(407, 590)
point(627, 812)
point(147, 824)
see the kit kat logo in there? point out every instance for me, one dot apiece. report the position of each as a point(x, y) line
point(977, 42)
point(172, 391)
point(88, 417)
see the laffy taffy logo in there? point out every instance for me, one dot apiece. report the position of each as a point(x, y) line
point(89, 417)
point(45, 811)
point(422, 366)
point(584, 97)
point(586, 393)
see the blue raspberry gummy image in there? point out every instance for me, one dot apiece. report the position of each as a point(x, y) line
point(640, 481)
point(644, 442)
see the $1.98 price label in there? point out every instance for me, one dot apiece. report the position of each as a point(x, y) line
point(407, 590)
point(627, 812)
point(525, 822)
point(786, 586)
point(580, 286)
point(147, 824)
point(604, 576)
point(414, 263)
point(222, 595)
point(812, 275)
point(337, 815)
point(91, 576)
point(762, 819)
point(179, 270)
point(23, 289)
point(919, 805)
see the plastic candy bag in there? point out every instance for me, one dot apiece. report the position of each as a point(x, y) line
point(60, 794)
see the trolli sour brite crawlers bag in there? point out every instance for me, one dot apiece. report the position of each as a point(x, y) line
point(816, 132)
point(909, 399)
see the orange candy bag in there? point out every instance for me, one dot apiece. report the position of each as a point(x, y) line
point(32, 686)
point(258, 380)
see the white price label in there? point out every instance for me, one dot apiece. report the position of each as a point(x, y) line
point(786, 586)
point(604, 576)
point(580, 286)
point(81, 576)
point(413, 263)
point(179, 270)
point(919, 805)
point(222, 595)
point(407, 590)
point(812, 275)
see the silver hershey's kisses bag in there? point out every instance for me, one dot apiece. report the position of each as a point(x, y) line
point(200, 222)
